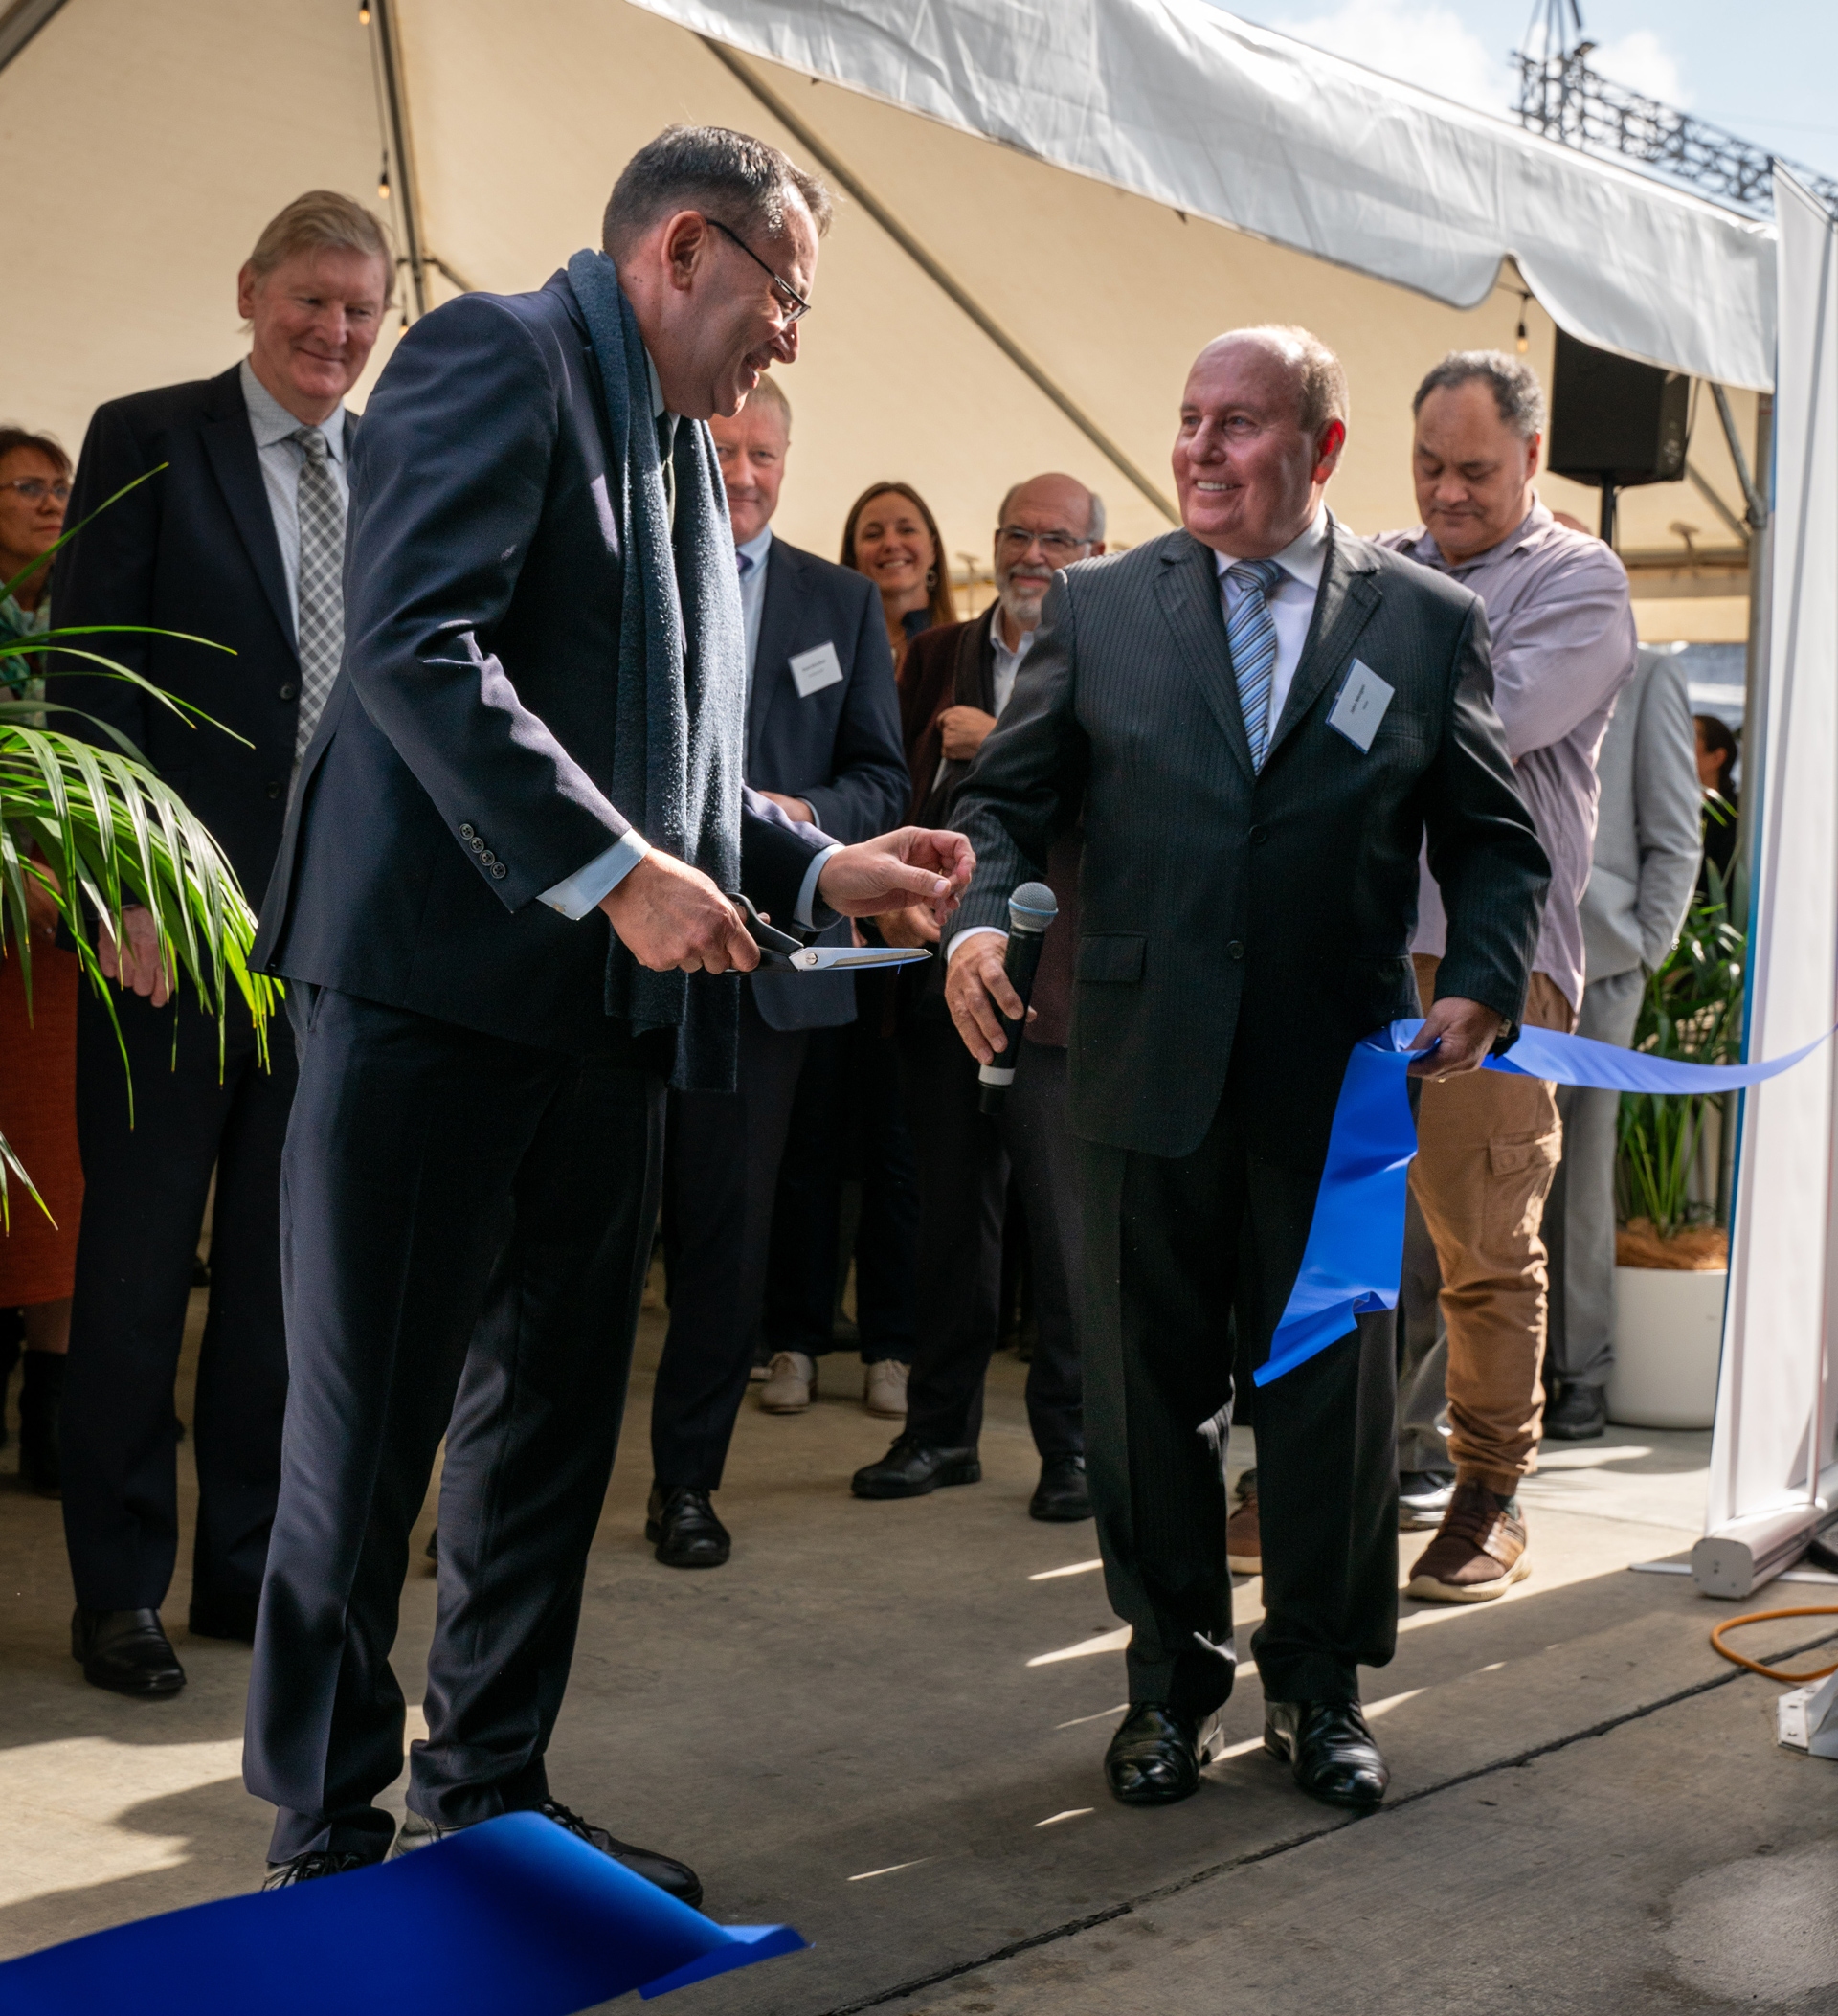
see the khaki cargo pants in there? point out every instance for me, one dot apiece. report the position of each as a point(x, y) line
point(1486, 1149)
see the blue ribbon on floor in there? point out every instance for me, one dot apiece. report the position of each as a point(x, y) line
point(515, 1917)
point(1355, 1251)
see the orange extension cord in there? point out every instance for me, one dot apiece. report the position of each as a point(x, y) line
point(1768, 1672)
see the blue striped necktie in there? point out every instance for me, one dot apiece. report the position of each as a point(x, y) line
point(1250, 636)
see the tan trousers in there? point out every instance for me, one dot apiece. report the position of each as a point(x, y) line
point(1487, 1150)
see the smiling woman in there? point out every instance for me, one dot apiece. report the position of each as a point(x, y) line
point(892, 537)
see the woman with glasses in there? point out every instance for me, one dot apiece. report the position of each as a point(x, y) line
point(892, 538)
point(38, 1049)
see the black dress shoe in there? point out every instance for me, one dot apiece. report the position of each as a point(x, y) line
point(224, 1617)
point(126, 1651)
point(677, 1878)
point(309, 1867)
point(1062, 1493)
point(1579, 1414)
point(684, 1524)
point(1329, 1750)
point(911, 1469)
point(1156, 1756)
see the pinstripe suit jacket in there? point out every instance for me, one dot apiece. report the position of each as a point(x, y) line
point(1257, 922)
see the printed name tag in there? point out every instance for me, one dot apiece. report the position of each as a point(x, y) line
point(1362, 706)
point(814, 670)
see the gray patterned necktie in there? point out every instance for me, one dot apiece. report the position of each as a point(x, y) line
point(321, 584)
point(1250, 636)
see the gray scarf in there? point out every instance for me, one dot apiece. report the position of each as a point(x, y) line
point(681, 712)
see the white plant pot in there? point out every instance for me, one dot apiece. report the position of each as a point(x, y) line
point(1668, 1329)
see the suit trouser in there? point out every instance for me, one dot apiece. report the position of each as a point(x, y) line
point(722, 1155)
point(1580, 1213)
point(466, 1225)
point(848, 1117)
point(147, 1184)
point(1174, 1246)
point(1486, 1147)
point(964, 1159)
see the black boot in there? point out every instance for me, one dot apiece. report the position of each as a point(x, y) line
point(41, 1398)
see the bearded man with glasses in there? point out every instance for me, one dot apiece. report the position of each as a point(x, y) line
point(955, 684)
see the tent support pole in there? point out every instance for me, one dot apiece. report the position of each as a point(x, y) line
point(20, 22)
point(846, 180)
point(389, 50)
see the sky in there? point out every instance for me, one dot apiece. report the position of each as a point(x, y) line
point(1762, 69)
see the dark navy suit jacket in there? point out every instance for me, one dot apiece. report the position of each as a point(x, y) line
point(482, 585)
point(837, 749)
point(192, 550)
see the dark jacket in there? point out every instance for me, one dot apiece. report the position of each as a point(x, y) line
point(483, 584)
point(1256, 923)
point(955, 665)
point(838, 748)
point(192, 550)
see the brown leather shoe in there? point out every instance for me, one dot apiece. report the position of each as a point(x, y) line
point(1478, 1552)
point(1243, 1550)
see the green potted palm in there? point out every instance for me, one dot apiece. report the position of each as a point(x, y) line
point(1671, 1250)
point(93, 829)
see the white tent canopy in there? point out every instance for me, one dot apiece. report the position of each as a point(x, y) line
point(1174, 101)
point(183, 125)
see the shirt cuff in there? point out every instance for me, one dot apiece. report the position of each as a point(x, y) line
point(802, 916)
point(970, 932)
point(602, 875)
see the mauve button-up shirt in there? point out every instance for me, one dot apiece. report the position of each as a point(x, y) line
point(1563, 645)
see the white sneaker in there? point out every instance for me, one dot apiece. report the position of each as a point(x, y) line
point(883, 1388)
point(791, 1379)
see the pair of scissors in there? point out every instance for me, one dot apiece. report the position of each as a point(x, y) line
point(780, 952)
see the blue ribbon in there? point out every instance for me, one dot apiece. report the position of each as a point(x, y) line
point(513, 1917)
point(1356, 1245)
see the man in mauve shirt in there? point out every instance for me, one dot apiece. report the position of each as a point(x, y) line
point(1563, 645)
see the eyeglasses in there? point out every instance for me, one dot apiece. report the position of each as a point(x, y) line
point(34, 489)
point(791, 301)
point(1056, 546)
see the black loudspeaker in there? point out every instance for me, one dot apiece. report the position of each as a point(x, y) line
point(1614, 423)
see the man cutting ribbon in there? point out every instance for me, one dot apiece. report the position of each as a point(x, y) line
point(1262, 717)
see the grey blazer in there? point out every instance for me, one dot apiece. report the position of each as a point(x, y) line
point(1259, 923)
point(1650, 825)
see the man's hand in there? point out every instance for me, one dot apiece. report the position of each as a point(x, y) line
point(965, 730)
point(896, 870)
point(792, 808)
point(1466, 1031)
point(910, 927)
point(668, 914)
point(979, 994)
point(138, 964)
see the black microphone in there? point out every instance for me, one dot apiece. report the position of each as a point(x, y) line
point(1031, 909)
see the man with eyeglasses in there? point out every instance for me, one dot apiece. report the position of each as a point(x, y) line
point(514, 854)
point(955, 684)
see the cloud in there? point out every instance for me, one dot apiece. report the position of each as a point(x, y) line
point(1434, 48)
point(1644, 63)
point(1427, 46)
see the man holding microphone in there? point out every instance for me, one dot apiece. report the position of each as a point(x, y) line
point(1262, 717)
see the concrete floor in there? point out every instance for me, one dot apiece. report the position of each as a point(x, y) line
point(883, 1724)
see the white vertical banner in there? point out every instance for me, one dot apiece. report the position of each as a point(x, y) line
point(1779, 1382)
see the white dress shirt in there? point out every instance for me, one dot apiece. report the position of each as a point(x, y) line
point(1008, 662)
point(585, 888)
point(1291, 601)
point(282, 459)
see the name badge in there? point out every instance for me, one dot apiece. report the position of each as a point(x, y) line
point(1362, 706)
point(814, 670)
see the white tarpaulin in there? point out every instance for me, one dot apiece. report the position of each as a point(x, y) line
point(1774, 1417)
point(1174, 101)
